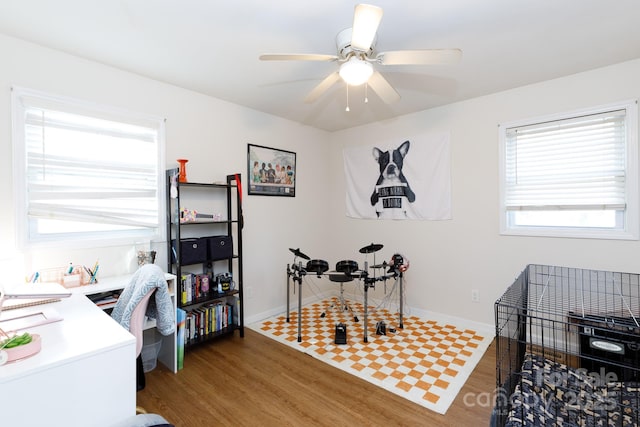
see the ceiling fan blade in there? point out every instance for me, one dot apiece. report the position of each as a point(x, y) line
point(381, 86)
point(419, 57)
point(366, 20)
point(297, 57)
point(324, 85)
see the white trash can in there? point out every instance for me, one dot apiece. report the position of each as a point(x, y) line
point(151, 343)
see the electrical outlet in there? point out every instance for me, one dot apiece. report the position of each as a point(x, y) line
point(249, 291)
point(475, 295)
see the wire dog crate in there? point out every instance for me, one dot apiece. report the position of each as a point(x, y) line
point(568, 349)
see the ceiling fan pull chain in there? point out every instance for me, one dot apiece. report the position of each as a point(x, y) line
point(347, 109)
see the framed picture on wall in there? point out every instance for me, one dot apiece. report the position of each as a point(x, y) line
point(271, 172)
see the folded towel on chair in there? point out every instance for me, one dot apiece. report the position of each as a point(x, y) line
point(147, 278)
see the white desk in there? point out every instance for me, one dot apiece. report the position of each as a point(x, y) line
point(85, 374)
point(167, 355)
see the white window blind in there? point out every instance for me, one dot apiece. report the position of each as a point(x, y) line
point(575, 164)
point(87, 172)
point(571, 174)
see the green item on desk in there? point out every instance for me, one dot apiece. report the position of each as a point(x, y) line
point(16, 341)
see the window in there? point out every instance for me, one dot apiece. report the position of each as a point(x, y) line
point(84, 172)
point(572, 175)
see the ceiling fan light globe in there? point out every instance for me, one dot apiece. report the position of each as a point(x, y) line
point(355, 71)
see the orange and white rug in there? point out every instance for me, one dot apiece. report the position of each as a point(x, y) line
point(427, 361)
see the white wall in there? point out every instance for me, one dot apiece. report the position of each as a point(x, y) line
point(212, 133)
point(450, 258)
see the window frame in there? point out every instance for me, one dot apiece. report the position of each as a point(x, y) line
point(81, 239)
point(630, 226)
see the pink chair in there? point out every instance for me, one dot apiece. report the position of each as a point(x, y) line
point(136, 327)
point(135, 302)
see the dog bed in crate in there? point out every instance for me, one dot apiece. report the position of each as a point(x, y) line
point(549, 393)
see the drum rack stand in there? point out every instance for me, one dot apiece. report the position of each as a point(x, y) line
point(369, 282)
point(296, 272)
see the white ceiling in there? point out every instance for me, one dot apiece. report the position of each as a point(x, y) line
point(212, 47)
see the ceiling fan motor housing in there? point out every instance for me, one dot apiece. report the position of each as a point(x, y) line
point(345, 51)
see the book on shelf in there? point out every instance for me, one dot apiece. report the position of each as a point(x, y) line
point(180, 339)
point(207, 319)
point(195, 287)
point(185, 288)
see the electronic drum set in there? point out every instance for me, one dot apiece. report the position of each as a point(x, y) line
point(346, 271)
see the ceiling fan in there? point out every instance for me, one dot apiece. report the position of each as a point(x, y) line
point(356, 54)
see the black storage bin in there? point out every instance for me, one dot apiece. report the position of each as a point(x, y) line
point(219, 247)
point(192, 251)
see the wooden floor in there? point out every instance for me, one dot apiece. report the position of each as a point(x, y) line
point(256, 381)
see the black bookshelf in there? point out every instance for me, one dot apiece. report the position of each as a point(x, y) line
point(196, 252)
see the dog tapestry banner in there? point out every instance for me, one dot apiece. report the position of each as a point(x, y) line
point(402, 179)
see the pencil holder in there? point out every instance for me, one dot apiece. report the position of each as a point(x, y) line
point(78, 276)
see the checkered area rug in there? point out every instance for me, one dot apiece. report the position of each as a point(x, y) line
point(426, 361)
